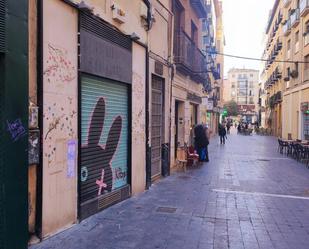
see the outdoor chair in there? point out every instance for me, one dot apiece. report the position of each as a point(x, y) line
point(282, 146)
point(192, 156)
point(181, 158)
point(289, 151)
point(186, 156)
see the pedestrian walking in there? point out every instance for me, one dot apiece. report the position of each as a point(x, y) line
point(201, 142)
point(208, 133)
point(228, 127)
point(222, 133)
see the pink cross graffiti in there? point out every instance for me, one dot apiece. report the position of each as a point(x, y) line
point(101, 183)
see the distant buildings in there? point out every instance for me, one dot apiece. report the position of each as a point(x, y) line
point(242, 86)
point(285, 83)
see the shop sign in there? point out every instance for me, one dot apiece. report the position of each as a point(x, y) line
point(216, 109)
point(210, 105)
point(194, 98)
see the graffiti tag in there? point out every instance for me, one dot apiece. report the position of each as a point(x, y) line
point(101, 183)
point(120, 174)
point(84, 174)
point(16, 129)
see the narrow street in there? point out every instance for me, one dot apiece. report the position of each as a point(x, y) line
point(248, 196)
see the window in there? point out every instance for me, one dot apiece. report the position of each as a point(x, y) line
point(194, 35)
point(233, 75)
point(288, 72)
point(204, 25)
point(306, 33)
point(242, 84)
point(251, 75)
point(306, 59)
point(296, 41)
point(242, 100)
point(251, 84)
point(242, 92)
point(250, 93)
point(306, 126)
point(205, 40)
point(289, 49)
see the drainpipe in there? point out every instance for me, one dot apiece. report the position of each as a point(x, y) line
point(39, 207)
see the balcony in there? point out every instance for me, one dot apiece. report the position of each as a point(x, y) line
point(304, 7)
point(295, 18)
point(306, 74)
point(199, 7)
point(306, 39)
point(188, 58)
point(286, 2)
point(287, 27)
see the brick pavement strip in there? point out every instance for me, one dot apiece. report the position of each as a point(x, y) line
point(247, 197)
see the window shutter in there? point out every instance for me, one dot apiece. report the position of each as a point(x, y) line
point(2, 26)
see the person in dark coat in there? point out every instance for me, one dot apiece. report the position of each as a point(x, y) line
point(222, 133)
point(201, 142)
point(239, 128)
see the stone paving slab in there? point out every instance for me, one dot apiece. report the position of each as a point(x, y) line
point(248, 196)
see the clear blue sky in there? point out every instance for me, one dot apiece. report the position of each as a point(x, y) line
point(244, 24)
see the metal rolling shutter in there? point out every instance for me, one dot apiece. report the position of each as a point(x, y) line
point(109, 100)
point(156, 126)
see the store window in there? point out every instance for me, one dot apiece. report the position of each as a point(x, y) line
point(306, 126)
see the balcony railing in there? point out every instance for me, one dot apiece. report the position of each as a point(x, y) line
point(287, 27)
point(304, 7)
point(295, 18)
point(188, 58)
point(199, 7)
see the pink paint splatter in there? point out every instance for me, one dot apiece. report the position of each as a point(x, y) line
point(101, 183)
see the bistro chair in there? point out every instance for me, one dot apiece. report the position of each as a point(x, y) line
point(283, 146)
point(181, 159)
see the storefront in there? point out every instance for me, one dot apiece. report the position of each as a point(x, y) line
point(13, 125)
point(105, 110)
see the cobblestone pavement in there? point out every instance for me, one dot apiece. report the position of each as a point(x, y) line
point(248, 196)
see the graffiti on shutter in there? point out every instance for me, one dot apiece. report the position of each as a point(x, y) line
point(104, 137)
